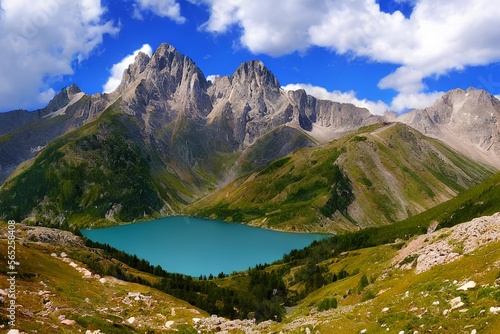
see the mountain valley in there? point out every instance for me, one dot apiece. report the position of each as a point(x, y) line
point(411, 200)
point(186, 138)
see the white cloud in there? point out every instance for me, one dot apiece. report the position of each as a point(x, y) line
point(40, 41)
point(118, 68)
point(267, 28)
point(163, 8)
point(212, 77)
point(45, 96)
point(400, 103)
point(439, 36)
point(408, 101)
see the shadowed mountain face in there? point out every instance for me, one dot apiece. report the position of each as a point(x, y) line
point(23, 134)
point(167, 137)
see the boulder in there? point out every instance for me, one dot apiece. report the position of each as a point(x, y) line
point(68, 322)
point(467, 286)
point(456, 303)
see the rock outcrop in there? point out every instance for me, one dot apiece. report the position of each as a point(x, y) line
point(447, 245)
point(52, 236)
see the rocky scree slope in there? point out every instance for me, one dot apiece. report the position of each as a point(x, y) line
point(459, 295)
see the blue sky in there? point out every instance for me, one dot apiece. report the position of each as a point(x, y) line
point(383, 55)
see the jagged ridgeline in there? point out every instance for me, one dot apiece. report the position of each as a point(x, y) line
point(167, 137)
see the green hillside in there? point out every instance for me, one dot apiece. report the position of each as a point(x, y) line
point(348, 282)
point(108, 172)
point(100, 174)
point(51, 286)
point(381, 174)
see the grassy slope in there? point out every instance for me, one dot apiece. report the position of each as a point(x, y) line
point(80, 176)
point(394, 172)
point(67, 291)
point(370, 252)
point(360, 309)
point(397, 172)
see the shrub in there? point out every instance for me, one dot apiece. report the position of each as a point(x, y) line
point(327, 303)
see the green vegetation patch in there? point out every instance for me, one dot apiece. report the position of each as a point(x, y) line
point(85, 176)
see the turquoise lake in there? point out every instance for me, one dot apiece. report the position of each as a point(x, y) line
point(195, 247)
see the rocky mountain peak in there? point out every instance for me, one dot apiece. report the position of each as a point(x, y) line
point(139, 65)
point(165, 48)
point(167, 78)
point(463, 118)
point(458, 98)
point(255, 73)
point(133, 72)
point(167, 59)
point(62, 99)
point(166, 69)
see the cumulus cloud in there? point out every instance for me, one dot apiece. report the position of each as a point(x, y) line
point(438, 36)
point(212, 77)
point(116, 72)
point(41, 40)
point(400, 103)
point(408, 101)
point(267, 28)
point(45, 96)
point(163, 8)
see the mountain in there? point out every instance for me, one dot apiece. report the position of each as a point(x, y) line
point(466, 120)
point(167, 137)
point(23, 134)
point(165, 123)
point(380, 174)
point(240, 148)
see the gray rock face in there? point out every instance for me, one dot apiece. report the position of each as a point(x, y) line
point(466, 120)
point(248, 104)
point(251, 103)
point(334, 115)
point(168, 82)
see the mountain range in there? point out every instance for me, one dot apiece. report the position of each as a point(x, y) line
point(402, 193)
point(167, 137)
